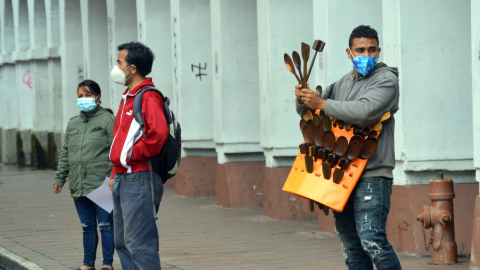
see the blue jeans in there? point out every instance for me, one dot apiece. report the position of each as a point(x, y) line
point(361, 226)
point(89, 213)
point(136, 235)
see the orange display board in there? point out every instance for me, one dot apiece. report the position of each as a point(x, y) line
point(315, 187)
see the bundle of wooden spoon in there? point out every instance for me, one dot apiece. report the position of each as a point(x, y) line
point(322, 144)
point(318, 46)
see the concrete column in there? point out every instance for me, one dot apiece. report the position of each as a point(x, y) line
point(9, 130)
point(280, 135)
point(24, 90)
point(241, 166)
point(95, 46)
point(475, 57)
point(9, 133)
point(419, 47)
point(155, 30)
point(192, 78)
point(72, 55)
point(122, 28)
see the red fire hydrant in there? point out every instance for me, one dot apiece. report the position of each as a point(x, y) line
point(439, 216)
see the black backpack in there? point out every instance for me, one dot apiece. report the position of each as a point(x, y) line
point(166, 163)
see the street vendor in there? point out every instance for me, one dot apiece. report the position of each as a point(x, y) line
point(361, 97)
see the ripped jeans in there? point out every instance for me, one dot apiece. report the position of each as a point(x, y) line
point(361, 226)
point(89, 213)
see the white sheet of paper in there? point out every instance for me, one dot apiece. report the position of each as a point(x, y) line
point(102, 196)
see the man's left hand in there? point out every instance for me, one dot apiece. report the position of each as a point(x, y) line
point(312, 99)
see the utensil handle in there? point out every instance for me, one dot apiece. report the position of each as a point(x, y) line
point(311, 65)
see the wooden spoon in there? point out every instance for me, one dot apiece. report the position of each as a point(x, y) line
point(368, 149)
point(289, 64)
point(357, 139)
point(348, 126)
point(385, 116)
point(318, 136)
point(327, 123)
point(305, 56)
point(319, 90)
point(298, 64)
point(365, 131)
point(307, 115)
point(308, 134)
point(317, 119)
point(341, 146)
point(372, 134)
point(353, 151)
point(329, 145)
point(312, 124)
point(377, 127)
point(302, 124)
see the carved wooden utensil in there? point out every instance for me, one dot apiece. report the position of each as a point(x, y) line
point(318, 136)
point(372, 134)
point(289, 64)
point(317, 119)
point(341, 147)
point(352, 153)
point(307, 115)
point(319, 88)
point(312, 124)
point(302, 124)
point(308, 134)
point(358, 139)
point(368, 149)
point(318, 46)
point(298, 64)
point(305, 56)
point(328, 145)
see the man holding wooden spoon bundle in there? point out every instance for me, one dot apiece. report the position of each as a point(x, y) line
point(361, 97)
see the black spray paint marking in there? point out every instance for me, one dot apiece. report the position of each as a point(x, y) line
point(200, 74)
point(175, 85)
point(140, 31)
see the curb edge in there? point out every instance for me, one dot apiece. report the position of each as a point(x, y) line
point(11, 261)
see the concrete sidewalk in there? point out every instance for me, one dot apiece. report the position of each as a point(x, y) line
point(44, 228)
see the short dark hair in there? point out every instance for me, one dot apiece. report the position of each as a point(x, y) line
point(92, 85)
point(362, 31)
point(139, 55)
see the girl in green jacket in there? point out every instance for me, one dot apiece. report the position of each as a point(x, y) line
point(85, 161)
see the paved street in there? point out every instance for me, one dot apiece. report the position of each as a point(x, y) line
point(44, 227)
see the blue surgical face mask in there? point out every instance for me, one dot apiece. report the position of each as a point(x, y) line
point(87, 104)
point(364, 64)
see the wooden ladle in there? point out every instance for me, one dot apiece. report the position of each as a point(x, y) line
point(328, 145)
point(289, 64)
point(307, 115)
point(305, 56)
point(368, 149)
point(298, 65)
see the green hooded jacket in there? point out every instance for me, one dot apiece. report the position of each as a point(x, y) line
point(85, 154)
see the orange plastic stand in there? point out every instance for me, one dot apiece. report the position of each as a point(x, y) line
point(315, 187)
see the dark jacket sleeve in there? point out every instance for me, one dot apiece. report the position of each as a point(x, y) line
point(63, 167)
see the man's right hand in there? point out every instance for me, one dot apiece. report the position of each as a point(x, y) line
point(57, 189)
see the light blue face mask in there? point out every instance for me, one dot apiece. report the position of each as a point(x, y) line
point(87, 104)
point(364, 64)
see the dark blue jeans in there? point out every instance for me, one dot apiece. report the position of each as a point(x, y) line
point(361, 226)
point(89, 213)
point(136, 235)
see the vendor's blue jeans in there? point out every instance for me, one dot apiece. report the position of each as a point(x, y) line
point(361, 226)
point(136, 235)
point(89, 213)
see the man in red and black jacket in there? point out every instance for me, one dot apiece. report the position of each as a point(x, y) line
point(136, 235)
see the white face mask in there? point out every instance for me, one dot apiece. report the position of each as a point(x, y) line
point(118, 75)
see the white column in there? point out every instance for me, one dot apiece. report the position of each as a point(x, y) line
point(122, 28)
point(192, 75)
point(475, 56)
point(280, 135)
point(95, 46)
point(155, 31)
point(235, 81)
point(72, 55)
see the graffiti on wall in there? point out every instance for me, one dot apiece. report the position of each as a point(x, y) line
point(27, 79)
point(200, 68)
point(175, 85)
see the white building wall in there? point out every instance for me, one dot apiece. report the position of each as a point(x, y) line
point(49, 46)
